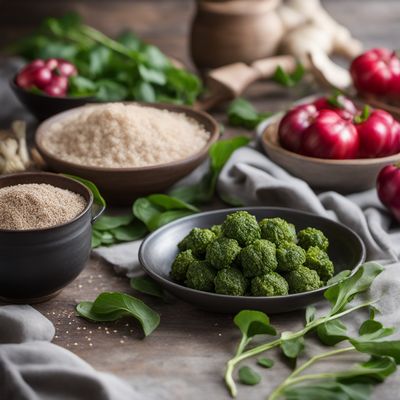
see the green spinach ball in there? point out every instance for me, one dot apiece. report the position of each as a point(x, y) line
point(290, 256)
point(271, 284)
point(222, 252)
point(311, 237)
point(197, 241)
point(181, 264)
point(303, 279)
point(319, 261)
point(242, 227)
point(230, 281)
point(258, 258)
point(217, 230)
point(200, 275)
point(277, 230)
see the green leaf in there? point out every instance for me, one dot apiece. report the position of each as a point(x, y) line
point(167, 217)
point(329, 391)
point(152, 75)
point(185, 85)
point(289, 80)
point(375, 369)
point(107, 222)
point(248, 376)
point(339, 277)
point(129, 40)
point(99, 60)
point(107, 238)
point(253, 323)
point(170, 203)
point(242, 113)
point(332, 332)
point(110, 306)
point(134, 231)
point(372, 330)
point(108, 90)
point(310, 314)
point(144, 91)
point(291, 347)
point(146, 285)
point(221, 151)
point(80, 86)
point(97, 197)
point(155, 57)
point(347, 289)
point(265, 362)
point(145, 210)
point(96, 239)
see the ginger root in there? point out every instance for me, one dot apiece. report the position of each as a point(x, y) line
point(312, 34)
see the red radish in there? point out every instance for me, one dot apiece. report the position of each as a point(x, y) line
point(377, 132)
point(330, 137)
point(293, 125)
point(388, 188)
point(55, 90)
point(338, 103)
point(50, 76)
point(377, 72)
point(52, 64)
point(65, 68)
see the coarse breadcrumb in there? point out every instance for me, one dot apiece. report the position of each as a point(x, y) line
point(118, 135)
point(37, 206)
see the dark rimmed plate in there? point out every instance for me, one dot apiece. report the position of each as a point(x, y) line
point(159, 249)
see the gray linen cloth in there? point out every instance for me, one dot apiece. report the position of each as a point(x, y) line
point(32, 368)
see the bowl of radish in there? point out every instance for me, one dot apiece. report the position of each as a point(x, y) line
point(332, 143)
point(42, 87)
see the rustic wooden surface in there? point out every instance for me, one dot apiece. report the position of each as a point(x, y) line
point(185, 334)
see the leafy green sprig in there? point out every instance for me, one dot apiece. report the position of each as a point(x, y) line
point(252, 323)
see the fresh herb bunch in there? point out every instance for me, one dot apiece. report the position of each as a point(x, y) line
point(372, 340)
point(110, 70)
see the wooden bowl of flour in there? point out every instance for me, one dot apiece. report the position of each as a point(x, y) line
point(121, 186)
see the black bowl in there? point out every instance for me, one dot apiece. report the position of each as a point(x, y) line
point(36, 264)
point(43, 106)
point(158, 251)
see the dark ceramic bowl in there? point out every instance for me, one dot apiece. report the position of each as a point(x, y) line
point(121, 186)
point(36, 264)
point(43, 106)
point(158, 251)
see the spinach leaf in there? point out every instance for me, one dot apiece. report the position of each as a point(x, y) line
point(110, 306)
point(159, 209)
point(248, 376)
point(332, 332)
point(242, 113)
point(289, 79)
point(203, 191)
point(345, 291)
point(310, 314)
point(265, 362)
point(146, 285)
point(253, 323)
point(107, 222)
point(134, 231)
point(291, 346)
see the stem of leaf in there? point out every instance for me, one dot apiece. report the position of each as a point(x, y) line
point(231, 364)
point(293, 378)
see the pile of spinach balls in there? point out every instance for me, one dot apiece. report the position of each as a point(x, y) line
point(243, 257)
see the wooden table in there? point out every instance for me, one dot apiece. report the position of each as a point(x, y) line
point(190, 345)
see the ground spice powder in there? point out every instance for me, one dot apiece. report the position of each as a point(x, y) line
point(37, 206)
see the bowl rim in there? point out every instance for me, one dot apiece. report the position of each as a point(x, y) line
point(156, 276)
point(214, 135)
point(41, 174)
point(272, 127)
point(16, 87)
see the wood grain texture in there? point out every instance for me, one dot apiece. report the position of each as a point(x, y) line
point(190, 345)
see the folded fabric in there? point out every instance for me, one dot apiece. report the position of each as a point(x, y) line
point(32, 368)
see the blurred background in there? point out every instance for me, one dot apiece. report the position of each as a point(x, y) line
point(166, 23)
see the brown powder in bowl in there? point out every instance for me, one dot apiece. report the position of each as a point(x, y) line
point(118, 135)
point(37, 206)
